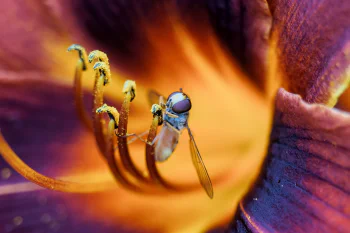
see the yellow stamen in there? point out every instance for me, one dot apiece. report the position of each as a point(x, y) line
point(44, 181)
point(129, 91)
point(112, 113)
point(98, 56)
point(78, 93)
point(150, 154)
point(102, 77)
point(111, 159)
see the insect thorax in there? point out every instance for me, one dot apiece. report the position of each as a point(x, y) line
point(180, 122)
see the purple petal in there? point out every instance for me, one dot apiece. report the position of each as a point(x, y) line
point(25, 27)
point(313, 47)
point(38, 119)
point(47, 212)
point(304, 185)
point(244, 27)
point(118, 28)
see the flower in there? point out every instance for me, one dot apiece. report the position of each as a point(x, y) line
point(176, 51)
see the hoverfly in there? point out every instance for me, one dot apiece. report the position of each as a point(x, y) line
point(175, 120)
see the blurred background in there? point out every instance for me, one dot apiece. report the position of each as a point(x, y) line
point(219, 52)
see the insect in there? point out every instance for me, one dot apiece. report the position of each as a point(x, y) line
point(175, 120)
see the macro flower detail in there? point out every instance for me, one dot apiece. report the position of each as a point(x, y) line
point(303, 186)
point(173, 115)
point(231, 58)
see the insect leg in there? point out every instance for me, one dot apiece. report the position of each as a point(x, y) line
point(171, 115)
point(136, 136)
point(154, 140)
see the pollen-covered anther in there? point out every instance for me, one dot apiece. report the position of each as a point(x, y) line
point(157, 110)
point(98, 56)
point(130, 87)
point(112, 113)
point(104, 70)
point(82, 53)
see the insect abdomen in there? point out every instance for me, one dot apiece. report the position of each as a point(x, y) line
point(166, 144)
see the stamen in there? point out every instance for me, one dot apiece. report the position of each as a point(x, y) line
point(112, 113)
point(98, 56)
point(130, 93)
point(150, 154)
point(82, 54)
point(111, 159)
point(78, 93)
point(44, 181)
point(102, 77)
point(104, 70)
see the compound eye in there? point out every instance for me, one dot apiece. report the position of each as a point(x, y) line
point(182, 106)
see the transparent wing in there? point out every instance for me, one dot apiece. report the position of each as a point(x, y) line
point(200, 167)
point(154, 97)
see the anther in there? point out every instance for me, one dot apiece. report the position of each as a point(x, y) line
point(157, 110)
point(104, 70)
point(130, 87)
point(98, 56)
point(82, 53)
point(112, 113)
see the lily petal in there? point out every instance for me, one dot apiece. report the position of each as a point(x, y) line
point(244, 27)
point(304, 185)
point(37, 115)
point(39, 121)
point(21, 41)
point(120, 29)
point(46, 212)
point(313, 47)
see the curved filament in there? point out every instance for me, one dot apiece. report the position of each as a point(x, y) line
point(150, 153)
point(129, 91)
point(50, 183)
point(110, 156)
point(78, 93)
point(78, 96)
point(98, 121)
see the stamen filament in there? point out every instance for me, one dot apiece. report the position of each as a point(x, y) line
point(44, 181)
point(150, 154)
point(78, 93)
point(101, 79)
point(130, 92)
point(111, 159)
point(112, 162)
